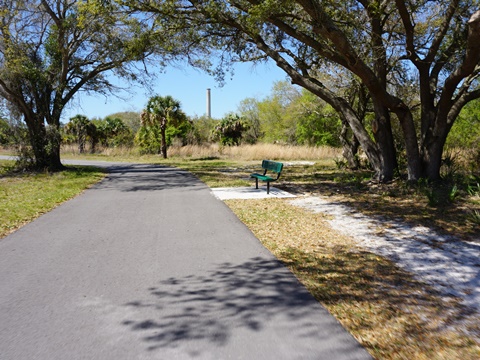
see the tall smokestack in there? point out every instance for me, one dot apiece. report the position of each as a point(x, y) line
point(209, 107)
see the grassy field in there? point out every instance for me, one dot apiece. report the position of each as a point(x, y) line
point(25, 196)
point(393, 315)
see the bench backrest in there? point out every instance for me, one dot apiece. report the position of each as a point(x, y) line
point(272, 166)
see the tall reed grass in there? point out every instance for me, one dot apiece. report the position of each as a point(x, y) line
point(256, 152)
point(119, 151)
point(216, 151)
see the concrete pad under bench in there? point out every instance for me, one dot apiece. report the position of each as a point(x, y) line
point(249, 193)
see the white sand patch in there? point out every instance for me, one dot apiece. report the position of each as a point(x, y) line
point(450, 265)
point(293, 163)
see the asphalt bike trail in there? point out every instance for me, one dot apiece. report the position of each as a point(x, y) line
point(148, 264)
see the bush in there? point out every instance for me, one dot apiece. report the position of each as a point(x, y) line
point(112, 132)
point(148, 139)
point(320, 128)
point(179, 132)
point(230, 130)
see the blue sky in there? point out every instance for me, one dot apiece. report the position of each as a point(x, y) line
point(189, 86)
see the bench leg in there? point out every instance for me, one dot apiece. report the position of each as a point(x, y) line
point(256, 183)
point(268, 187)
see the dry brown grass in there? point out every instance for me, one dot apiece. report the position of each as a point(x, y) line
point(216, 151)
point(71, 150)
point(390, 313)
point(255, 152)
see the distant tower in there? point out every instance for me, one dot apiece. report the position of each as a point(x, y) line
point(209, 105)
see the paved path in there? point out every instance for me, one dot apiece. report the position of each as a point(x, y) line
point(148, 264)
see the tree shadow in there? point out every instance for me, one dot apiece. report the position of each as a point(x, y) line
point(254, 297)
point(139, 177)
point(394, 200)
point(350, 279)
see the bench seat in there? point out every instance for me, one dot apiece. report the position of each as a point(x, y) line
point(262, 177)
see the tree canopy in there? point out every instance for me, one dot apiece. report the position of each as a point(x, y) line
point(416, 62)
point(52, 49)
point(290, 115)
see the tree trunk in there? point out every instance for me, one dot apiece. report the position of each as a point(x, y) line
point(431, 155)
point(361, 135)
point(81, 142)
point(432, 161)
point(45, 144)
point(164, 141)
point(54, 140)
point(382, 131)
point(349, 147)
point(414, 165)
point(37, 136)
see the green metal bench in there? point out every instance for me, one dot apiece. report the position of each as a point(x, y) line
point(268, 165)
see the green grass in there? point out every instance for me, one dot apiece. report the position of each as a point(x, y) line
point(219, 173)
point(25, 196)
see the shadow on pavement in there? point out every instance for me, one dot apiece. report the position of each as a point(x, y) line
point(153, 177)
point(247, 298)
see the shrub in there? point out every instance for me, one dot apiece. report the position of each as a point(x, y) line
point(230, 130)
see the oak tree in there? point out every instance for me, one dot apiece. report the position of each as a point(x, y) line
point(50, 50)
point(430, 49)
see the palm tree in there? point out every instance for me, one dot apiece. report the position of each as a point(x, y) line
point(81, 127)
point(163, 110)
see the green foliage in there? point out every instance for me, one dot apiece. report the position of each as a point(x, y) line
point(292, 116)
point(129, 118)
point(80, 129)
point(249, 111)
point(6, 133)
point(465, 135)
point(230, 130)
point(277, 124)
point(465, 132)
point(179, 132)
point(432, 196)
point(112, 132)
point(202, 130)
point(453, 193)
point(163, 110)
point(340, 163)
point(450, 167)
point(440, 194)
point(473, 186)
point(148, 139)
point(319, 126)
point(474, 217)
point(162, 113)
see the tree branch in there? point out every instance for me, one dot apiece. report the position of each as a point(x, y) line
point(467, 67)
point(440, 35)
point(409, 31)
